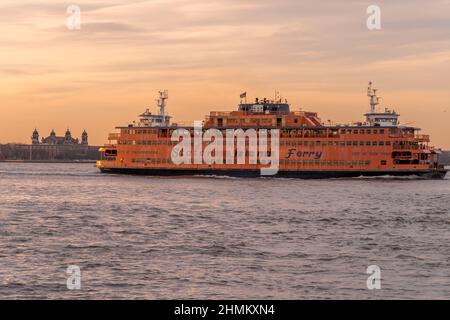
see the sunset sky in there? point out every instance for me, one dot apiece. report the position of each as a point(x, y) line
point(319, 54)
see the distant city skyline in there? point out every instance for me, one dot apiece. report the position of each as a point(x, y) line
point(319, 55)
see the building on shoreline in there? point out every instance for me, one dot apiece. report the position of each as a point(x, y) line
point(51, 148)
point(52, 139)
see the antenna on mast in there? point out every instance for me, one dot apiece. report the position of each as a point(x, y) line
point(374, 100)
point(163, 96)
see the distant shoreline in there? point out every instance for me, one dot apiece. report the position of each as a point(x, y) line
point(50, 161)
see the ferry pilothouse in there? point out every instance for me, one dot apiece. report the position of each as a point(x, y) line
point(306, 147)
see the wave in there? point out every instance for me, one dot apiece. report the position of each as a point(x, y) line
point(46, 174)
point(213, 176)
point(389, 177)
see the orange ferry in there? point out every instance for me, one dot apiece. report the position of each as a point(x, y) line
point(308, 148)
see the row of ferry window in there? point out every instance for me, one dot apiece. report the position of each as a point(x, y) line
point(282, 162)
point(326, 162)
point(362, 131)
point(335, 143)
point(343, 131)
point(147, 142)
point(140, 131)
point(282, 143)
point(148, 160)
point(252, 120)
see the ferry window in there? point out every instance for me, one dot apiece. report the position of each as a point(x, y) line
point(330, 143)
point(361, 143)
point(381, 131)
point(342, 131)
point(361, 131)
point(374, 143)
point(355, 143)
point(381, 143)
point(355, 131)
point(367, 163)
point(349, 143)
point(342, 143)
point(374, 131)
point(383, 162)
point(388, 143)
point(369, 131)
point(317, 143)
point(368, 143)
point(306, 143)
point(295, 120)
point(349, 131)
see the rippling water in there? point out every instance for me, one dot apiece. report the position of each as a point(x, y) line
point(167, 238)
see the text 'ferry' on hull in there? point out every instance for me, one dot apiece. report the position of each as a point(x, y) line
point(267, 138)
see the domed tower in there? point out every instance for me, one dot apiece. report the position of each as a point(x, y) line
point(53, 134)
point(35, 137)
point(68, 136)
point(84, 138)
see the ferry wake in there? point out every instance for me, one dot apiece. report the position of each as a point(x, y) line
point(266, 138)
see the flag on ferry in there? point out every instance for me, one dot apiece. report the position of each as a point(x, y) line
point(243, 95)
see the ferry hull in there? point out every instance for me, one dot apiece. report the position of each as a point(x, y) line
point(426, 174)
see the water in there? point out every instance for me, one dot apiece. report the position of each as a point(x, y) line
point(174, 238)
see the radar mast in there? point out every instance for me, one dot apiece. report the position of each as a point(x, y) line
point(163, 96)
point(374, 100)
